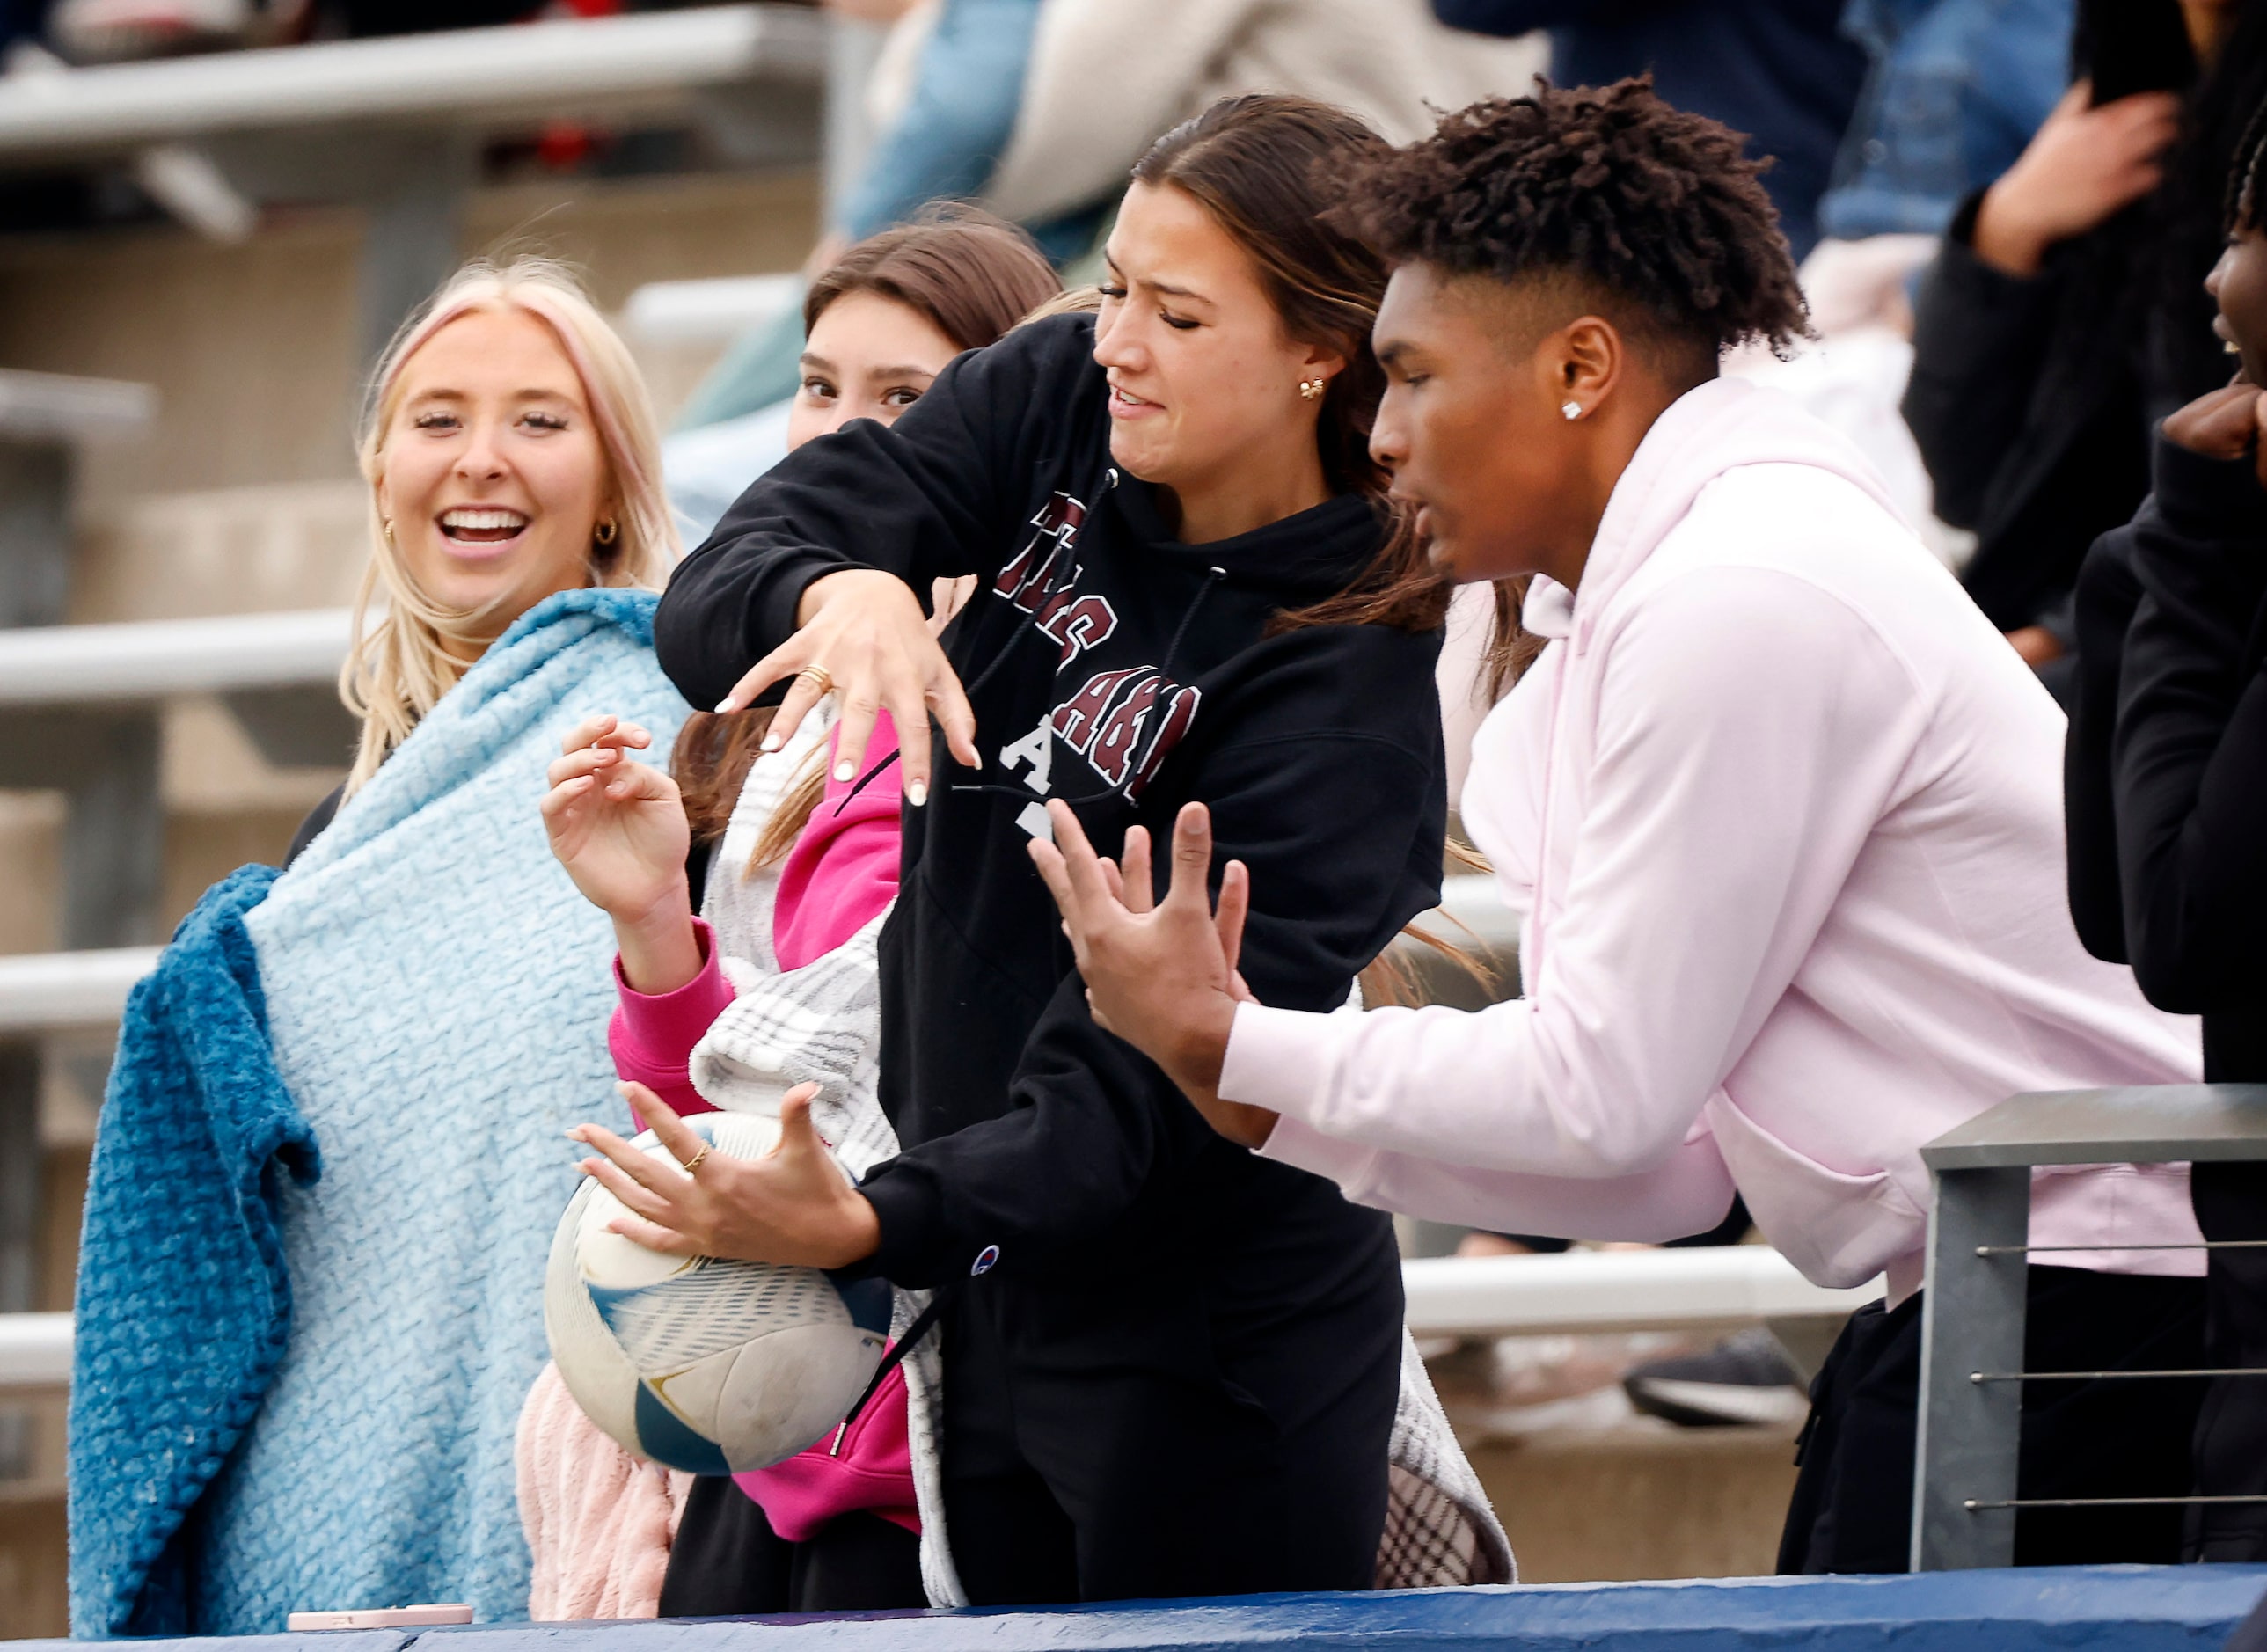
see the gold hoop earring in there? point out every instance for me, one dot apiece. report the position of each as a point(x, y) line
point(386, 524)
point(1311, 389)
point(606, 531)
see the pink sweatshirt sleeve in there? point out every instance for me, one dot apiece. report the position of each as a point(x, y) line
point(1688, 1194)
point(843, 869)
point(652, 1035)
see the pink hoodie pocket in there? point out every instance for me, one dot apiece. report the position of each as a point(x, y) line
point(1838, 1230)
point(873, 1470)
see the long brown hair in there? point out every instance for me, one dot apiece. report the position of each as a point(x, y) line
point(974, 277)
point(1264, 167)
point(1267, 167)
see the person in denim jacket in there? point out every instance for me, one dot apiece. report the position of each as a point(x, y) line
point(1957, 89)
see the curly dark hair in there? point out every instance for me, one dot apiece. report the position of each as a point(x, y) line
point(1650, 212)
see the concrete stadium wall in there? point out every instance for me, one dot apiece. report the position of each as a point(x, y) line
point(2073, 1609)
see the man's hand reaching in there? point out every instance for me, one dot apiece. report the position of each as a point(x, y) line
point(1160, 975)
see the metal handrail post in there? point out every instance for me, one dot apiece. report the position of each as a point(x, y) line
point(1972, 1314)
point(1969, 1442)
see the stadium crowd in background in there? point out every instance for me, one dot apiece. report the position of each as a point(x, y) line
point(1006, 586)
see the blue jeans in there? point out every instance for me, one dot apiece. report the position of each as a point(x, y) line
point(1957, 89)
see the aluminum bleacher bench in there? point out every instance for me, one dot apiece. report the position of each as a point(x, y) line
point(85, 702)
point(1491, 1296)
point(484, 80)
point(396, 124)
point(45, 418)
point(83, 705)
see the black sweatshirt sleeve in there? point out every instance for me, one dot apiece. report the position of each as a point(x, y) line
point(1330, 807)
point(2103, 606)
point(1980, 341)
point(2189, 752)
point(938, 494)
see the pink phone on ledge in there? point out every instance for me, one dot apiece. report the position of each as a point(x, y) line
point(385, 1618)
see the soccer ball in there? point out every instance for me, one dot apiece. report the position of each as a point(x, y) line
point(698, 1362)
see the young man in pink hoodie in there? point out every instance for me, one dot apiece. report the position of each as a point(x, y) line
point(1781, 812)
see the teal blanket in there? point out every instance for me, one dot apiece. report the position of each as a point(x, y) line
point(183, 1305)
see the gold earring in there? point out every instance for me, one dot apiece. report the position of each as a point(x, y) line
point(386, 523)
point(604, 531)
point(1312, 388)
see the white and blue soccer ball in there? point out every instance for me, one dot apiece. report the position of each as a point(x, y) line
point(698, 1362)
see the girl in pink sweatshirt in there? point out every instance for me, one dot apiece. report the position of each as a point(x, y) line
point(834, 1528)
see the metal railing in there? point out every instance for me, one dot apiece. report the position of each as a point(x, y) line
point(1973, 1309)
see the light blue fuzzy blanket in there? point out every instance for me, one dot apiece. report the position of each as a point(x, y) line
point(437, 995)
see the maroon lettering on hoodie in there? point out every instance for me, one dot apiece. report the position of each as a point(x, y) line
point(1025, 580)
point(1079, 718)
point(1114, 722)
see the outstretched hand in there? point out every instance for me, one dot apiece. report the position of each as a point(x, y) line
point(862, 638)
point(1160, 975)
point(618, 828)
point(792, 1206)
point(617, 824)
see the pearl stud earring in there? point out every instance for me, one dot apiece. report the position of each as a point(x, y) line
point(1312, 388)
point(1571, 410)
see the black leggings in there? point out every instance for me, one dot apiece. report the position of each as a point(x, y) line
point(2231, 1436)
point(728, 1562)
point(1852, 1505)
point(1132, 1483)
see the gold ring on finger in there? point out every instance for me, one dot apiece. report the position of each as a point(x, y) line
point(821, 678)
point(693, 1164)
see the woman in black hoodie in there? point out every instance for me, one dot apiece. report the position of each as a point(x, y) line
point(2165, 789)
point(1171, 1367)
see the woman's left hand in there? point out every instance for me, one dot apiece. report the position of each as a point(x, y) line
point(792, 1206)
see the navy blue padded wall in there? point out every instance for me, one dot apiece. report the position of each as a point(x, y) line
point(2071, 1609)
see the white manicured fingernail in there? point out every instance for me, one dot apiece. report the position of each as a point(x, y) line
point(771, 743)
point(843, 771)
point(724, 707)
point(917, 794)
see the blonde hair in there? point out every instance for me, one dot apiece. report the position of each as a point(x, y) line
point(401, 665)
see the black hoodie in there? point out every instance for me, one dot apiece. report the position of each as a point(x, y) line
point(1116, 668)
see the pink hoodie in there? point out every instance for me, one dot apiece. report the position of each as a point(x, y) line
point(1783, 816)
point(841, 873)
